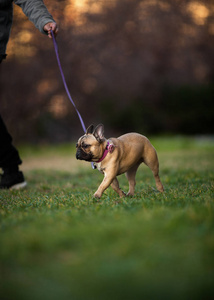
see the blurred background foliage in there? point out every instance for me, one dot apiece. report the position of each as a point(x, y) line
point(134, 65)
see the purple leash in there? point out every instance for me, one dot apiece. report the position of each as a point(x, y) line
point(65, 85)
point(64, 82)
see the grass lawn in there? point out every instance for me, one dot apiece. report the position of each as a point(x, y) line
point(57, 242)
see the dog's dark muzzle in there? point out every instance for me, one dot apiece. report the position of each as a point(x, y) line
point(78, 154)
point(81, 155)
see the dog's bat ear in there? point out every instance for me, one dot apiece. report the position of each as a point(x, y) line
point(90, 129)
point(99, 133)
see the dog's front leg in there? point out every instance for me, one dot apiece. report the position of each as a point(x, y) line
point(107, 180)
point(109, 177)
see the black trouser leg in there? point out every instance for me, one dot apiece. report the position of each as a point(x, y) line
point(9, 156)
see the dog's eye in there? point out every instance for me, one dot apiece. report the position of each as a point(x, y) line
point(85, 146)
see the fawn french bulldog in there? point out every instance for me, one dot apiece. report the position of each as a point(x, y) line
point(116, 156)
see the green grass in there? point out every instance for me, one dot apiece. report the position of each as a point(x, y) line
point(57, 242)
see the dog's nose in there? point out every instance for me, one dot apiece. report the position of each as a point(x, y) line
point(78, 154)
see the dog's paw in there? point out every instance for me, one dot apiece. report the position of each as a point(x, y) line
point(97, 195)
point(122, 194)
point(130, 194)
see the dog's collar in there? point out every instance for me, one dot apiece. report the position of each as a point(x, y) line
point(104, 153)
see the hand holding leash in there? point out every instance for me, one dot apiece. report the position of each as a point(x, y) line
point(51, 27)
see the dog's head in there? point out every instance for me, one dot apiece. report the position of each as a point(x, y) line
point(91, 145)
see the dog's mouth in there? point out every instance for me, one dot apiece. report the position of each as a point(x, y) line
point(81, 155)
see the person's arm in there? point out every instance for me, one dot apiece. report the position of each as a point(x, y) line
point(37, 13)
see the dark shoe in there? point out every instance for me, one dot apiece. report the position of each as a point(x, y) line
point(12, 181)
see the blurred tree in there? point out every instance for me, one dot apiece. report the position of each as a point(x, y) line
point(132, 64)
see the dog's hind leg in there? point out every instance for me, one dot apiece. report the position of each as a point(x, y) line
point(130, 175)
point(152, 162)
point(116, 187)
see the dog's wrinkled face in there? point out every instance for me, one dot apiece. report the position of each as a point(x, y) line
point(90, 145)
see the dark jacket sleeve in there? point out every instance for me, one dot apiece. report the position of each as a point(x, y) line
point(36, 11)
